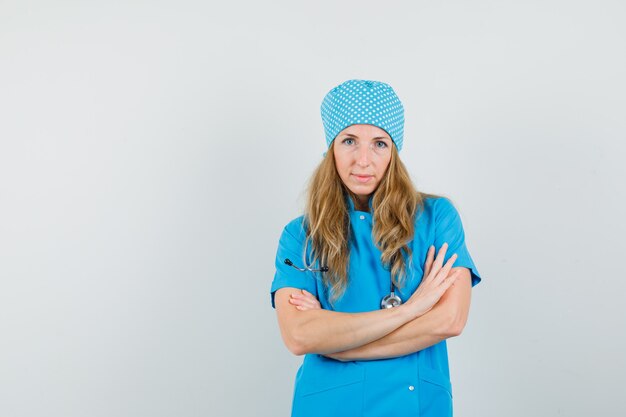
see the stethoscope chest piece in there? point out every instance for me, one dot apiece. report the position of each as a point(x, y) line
point(390, 300)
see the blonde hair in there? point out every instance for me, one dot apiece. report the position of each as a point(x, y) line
point(395, 203)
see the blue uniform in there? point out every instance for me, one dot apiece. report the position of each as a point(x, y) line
point(417, 384)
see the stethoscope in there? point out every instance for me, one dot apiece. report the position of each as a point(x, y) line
point(306, 268)
point(388, 301)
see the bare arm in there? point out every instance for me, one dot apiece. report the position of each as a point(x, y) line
point(327, 332)
point(446, 319)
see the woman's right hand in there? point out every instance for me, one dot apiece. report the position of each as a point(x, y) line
point(435, 281)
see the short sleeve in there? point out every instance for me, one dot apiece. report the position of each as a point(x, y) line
point(449, 228)
point(290, 246)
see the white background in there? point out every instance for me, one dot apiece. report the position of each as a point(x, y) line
point(152, 151)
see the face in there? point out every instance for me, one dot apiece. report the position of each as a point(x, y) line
point(362, 154)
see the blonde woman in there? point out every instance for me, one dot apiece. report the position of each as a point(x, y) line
point(375, 276)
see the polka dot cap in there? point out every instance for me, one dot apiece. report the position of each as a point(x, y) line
point(363, 102)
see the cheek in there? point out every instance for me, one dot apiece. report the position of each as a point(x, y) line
point(382, 168)
point(342, 165)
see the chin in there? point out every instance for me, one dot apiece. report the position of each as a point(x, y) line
point(361, 192)
point(360, 189)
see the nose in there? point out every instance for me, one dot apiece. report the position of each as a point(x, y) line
point(363, 156)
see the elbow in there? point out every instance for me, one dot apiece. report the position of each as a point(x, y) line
point(456, 329)
point(296, 343)
point(296, 349)
point(453, 324)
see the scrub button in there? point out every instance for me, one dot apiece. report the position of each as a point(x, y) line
point(411, 387)
point(362, 217)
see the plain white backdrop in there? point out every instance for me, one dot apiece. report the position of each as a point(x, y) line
point(152, 152)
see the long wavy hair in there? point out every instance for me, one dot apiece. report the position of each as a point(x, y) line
point(395, 203)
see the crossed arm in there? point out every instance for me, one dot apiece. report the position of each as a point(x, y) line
point(446, 319)
point(372, 335)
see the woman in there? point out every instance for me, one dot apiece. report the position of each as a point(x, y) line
point(358, 289)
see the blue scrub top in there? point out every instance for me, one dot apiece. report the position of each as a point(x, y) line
point(417, 384)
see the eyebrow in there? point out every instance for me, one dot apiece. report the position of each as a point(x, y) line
point(377, 137)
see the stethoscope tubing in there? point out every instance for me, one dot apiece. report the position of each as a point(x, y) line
point(388, 301)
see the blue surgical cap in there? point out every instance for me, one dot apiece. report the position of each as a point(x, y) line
point(363, 102)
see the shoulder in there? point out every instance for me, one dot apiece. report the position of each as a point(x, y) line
point(437, 212)
point(437, 206)
point(295, 229)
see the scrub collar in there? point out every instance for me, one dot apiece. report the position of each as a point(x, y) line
point(351, 204)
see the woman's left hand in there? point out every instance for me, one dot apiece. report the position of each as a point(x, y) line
point(304, 300)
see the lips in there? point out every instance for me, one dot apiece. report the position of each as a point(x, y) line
point(362, 178)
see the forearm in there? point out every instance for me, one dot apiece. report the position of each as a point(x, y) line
point(417, 334)
point(446, 319)
point(327, 332)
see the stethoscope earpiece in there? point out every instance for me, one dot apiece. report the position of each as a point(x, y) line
point(306, 268)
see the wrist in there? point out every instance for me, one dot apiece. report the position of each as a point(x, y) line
point(413, 309)
point(406, 312)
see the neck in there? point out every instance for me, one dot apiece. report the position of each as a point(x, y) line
point(362, 203)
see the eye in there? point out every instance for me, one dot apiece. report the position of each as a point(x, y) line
point(348, 141)
point(380, 144)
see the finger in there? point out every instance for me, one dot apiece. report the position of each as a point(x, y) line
point(304, 301)
point(430, 257)
point(443, 273)
point(312, 306)
point(440, 257)
point(307, 301)
point(308, 306)
point(308, 294)
point(296, 301)
point(449, 281)
point(301, 296)
point(301, 305)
